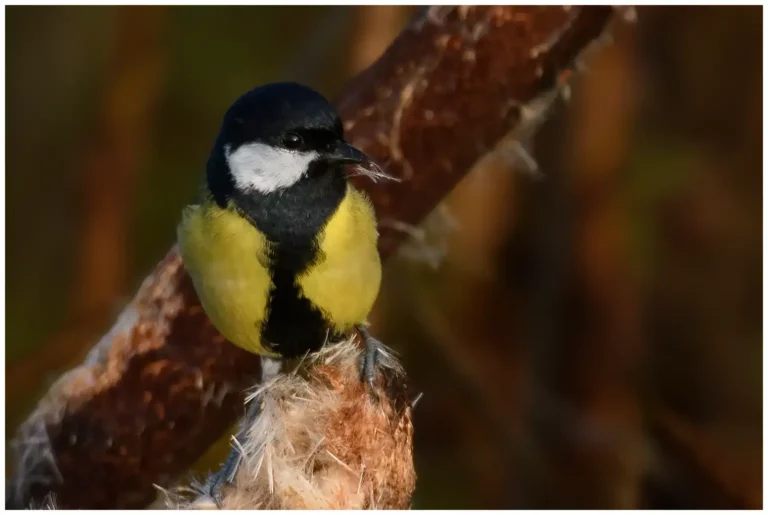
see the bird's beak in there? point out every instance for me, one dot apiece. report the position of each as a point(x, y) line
point(344, 153)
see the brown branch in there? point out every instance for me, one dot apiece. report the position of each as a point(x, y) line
point(453, 83)
point(163, 385)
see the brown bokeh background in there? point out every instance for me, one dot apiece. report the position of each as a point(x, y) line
point(586, 331)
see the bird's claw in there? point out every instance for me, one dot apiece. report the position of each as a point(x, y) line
point(215, 488)
point(224, 477)
point(371, 358)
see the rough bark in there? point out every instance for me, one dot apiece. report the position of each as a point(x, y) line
point(163, 385)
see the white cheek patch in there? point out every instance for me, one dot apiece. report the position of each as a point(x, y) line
point(257, 166)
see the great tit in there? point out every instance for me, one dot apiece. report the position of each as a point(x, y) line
point(281, 249)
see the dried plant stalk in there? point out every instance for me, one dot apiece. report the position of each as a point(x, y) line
point(323, 441)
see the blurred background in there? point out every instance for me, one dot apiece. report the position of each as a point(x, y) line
point(587, 332)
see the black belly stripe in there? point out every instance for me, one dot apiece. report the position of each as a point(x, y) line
point(294, 325)
point(292, 221)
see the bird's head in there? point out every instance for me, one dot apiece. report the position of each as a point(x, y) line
point(273, 137)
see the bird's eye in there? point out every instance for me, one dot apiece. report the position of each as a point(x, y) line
point(292, 140)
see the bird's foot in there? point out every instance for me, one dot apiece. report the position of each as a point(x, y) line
point(224, 477)
point(372, 356)
point(270, 368)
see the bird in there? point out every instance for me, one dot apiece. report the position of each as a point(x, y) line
point(280, 247)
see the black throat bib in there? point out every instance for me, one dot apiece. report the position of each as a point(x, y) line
point(292, 219)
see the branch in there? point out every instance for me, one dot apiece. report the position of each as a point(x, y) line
point(448, 89)
point(163, 385)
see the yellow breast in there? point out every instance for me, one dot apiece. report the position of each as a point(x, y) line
point(226, 259)
point(345, 282)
